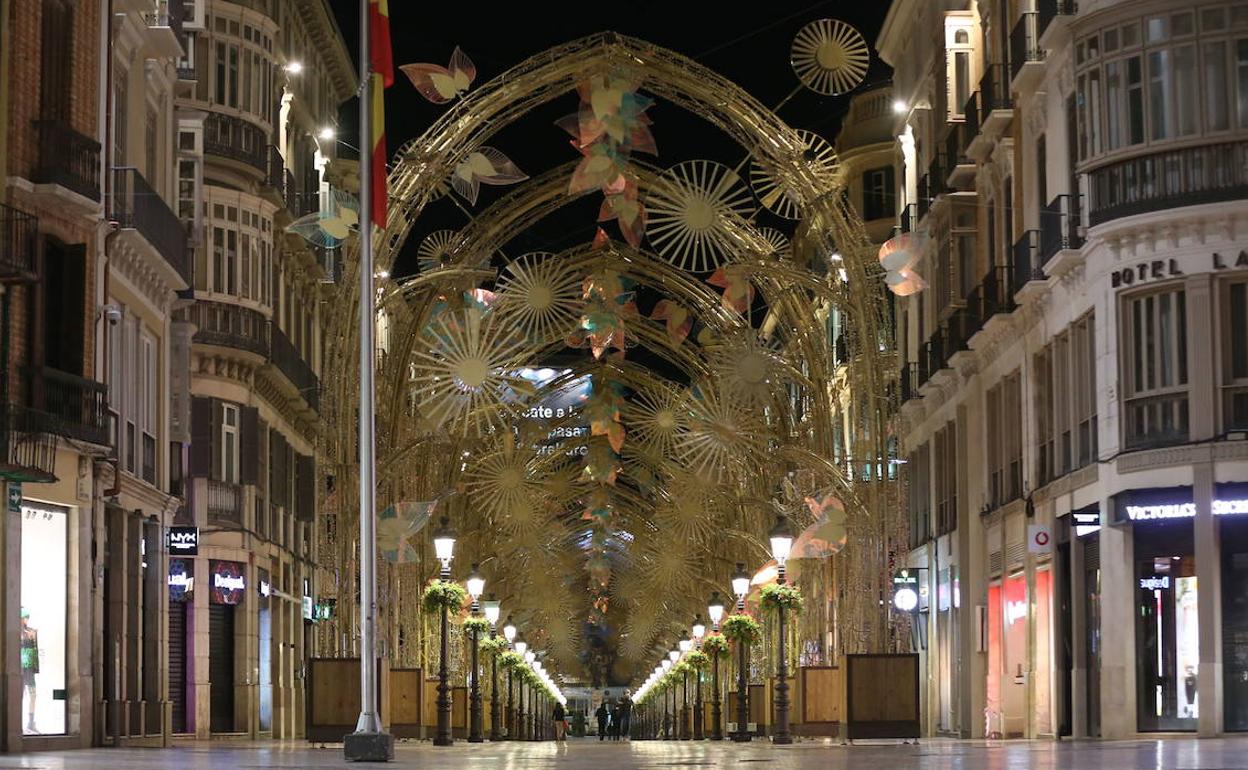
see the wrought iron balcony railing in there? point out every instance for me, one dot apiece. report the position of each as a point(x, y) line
point(286, 357)
point(76, 406)
point(1025, 43)
point(230, 326)
point(236, 139)
point(1169, 179)
point(136, 205)
point(18, 244)
point(1059, 226)
point(28, 442)
point(67, 158)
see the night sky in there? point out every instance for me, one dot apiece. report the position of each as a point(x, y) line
point(751, 49)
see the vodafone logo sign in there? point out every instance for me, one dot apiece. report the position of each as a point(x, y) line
point(1039, 538)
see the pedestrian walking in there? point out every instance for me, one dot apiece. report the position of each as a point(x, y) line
point(561, 724)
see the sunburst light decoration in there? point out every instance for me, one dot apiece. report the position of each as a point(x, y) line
point(718, 433)
point(746, 368)
point(504, 483)
point(830, 57)
point(689, 211)
point(820, 159)
point(434, 250)
point(656, 415)
point(777, 241)
point(466, 371)
point(539, 293)
point(690, 513)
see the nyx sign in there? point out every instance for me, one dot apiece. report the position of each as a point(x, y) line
point(184, 541)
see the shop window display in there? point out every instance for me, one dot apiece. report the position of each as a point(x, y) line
point(43, 610)
point(1167, 628)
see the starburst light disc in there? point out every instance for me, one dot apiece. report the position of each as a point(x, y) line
point(655, 417)
point(829, 57)
point(721, 432)
point(778, 241)
point(689, 212)
point(433, 250)
point(540, 294)
point(820, 158)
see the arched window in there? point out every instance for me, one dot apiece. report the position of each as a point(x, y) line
point(961, 37)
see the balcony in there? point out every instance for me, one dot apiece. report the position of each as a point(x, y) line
point(1028, 267)
point(1026, 55)
point(136, 206)
point(1156, 421)
point(993, 108)
point(274, 170)
point(225, 503)
point(286, 357)
point(1165, 180)
point(330, 260)
point(1059, 232)
point(909, 218)
point(229, 326)
point(236, 139)
point(67, 159)
point(73, 406)
point(164, 29)
point(961, 167)
point(1053, 18)
point(909, 381)
point(18, 245)
point(27, 445)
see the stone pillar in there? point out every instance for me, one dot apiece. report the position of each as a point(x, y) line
point(1208, 602)
point(1118, 695)
point(972, 673)
point(1078, 641)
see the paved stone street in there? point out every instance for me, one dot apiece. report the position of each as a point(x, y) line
point(1170, 754)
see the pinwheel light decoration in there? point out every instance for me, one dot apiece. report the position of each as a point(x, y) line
point(609, 126)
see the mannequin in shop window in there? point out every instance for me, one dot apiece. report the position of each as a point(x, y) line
point(30, 667)
point(1189, 685)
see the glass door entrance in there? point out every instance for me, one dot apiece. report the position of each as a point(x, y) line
point(1167, 631)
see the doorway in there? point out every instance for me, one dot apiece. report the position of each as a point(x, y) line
point(221, 667)
point(1167, 629)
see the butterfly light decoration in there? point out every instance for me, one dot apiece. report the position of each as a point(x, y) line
point(330, 227)
point(442, 84)
point(898, 256)
point(735, 281)
point(484, 166)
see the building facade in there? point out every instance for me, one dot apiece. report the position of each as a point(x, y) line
point(258, 97)
point(1072, 407)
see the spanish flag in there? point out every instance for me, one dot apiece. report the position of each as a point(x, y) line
point(381, 61)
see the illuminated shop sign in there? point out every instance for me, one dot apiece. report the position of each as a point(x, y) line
point(183, 541)
point(1184, 510)
point(228, 583)
point(906, 590)
point(181, 580)
point(1086, 521)
point(1155, 583)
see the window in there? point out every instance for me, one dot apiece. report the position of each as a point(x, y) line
point(946, 479)
point(229, 443)
point(961, 81)
point(1217, 114)
point(1155, 368)
point(920, 493)
point(1241, 79)
point(1083, 367)
point(151, 141)
point(1005, 450)
point(149, 408)
point(1235, 355)
point(877, 193)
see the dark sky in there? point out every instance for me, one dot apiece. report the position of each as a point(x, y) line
point(748, 44)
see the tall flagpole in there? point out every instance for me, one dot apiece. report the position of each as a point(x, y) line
point(369, 742)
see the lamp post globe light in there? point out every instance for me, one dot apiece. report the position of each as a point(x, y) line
point(781, 537)
point(444, 549)
point(715, 611)
point(492, 609)
point(476, 586)
point(740, 587)
point(509, 633)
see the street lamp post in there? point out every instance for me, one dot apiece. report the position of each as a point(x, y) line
point(444, 548)
point(531, 727)
point(781, 543)
point(715, 609)
point(521, 648)
point(685, 645)
point(492, 610)
point(476, 585)
point(740, 587)
point(509, 633)
point(668, 721)
point(699, 631)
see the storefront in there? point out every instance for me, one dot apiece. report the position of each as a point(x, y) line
point(1168, 624)
point(229, 587)
point(181, 632)
point(44, 614)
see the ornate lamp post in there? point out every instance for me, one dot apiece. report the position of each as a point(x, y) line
point(781, 543)
point(476, 586)
point(491, 607)
point(531, 728)
point(699, 630)
point(715, 610)
point(522, 648)
point(444, 548)
point(668, 722)
point(740, 587)
point(684, 646)
point(509, 633)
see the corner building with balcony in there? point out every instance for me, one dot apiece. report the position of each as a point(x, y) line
point(54, 426)
point(1073, 379)
point(259, 91)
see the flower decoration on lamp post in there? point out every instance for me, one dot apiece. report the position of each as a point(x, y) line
point(740, 587)
point(444, 549)
point(781, 537)
point(476, 586)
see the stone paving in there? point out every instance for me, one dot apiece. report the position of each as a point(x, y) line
point(1167, 754)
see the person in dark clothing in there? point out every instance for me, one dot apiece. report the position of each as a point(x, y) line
point(604, 715)
point(559, 716)
point(625, 710)
point(614, 729)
